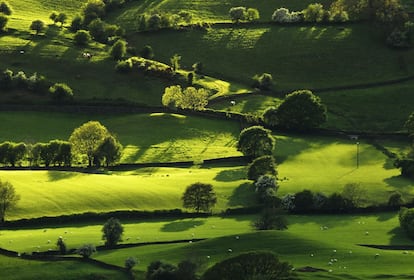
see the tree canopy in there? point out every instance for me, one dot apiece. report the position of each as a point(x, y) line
point(112, 232)
point(8, 198)
point(256, 141)
point(200, 197)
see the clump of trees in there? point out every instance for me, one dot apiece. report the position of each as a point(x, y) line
point(300, 110)
point(189, 98)
point(8, 199)
point(12, 153)
point(251, 265)
point(200, 197)
point(56, 153)
point(58, 17)
point(95, 142)
point(240, 14)
point(145, 66)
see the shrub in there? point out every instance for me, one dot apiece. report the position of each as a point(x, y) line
point(5, 8)
point(395, 199)
point(264, 165)
point(86, 250)
point(398, 38)
point(158, 270)
point(353, 193)
point(97, 30)
point(20, 79)
point(38, 26)
point(251, 265)
point(112, 232)
point(118, 50)
point(37, 83)
point(406, 218)
point(61, 92)
point(154, 22)
point(338, 204)
point(252, 14)
point(92, 10)
point(82, 37)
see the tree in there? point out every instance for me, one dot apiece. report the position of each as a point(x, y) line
point(200, 197)
point(266, 188)
point(87, 138)
point(252, 14)
point(112, 232)
point(175, 62)
point(409, 125)
point(251, 265)
point(76, 23)
point(301, 110)
point(406, 218)
point(354, 193)
point(314, 13)
point(82, 38)
point(154, 22)
point(61, 92)
point(189, 98)
point(109, 150)
point(86, 250)
point(6, 77)
point(263, 165)
point(8, 199)
point(37, 25)
point(16, 153)
point(97, 30)
point(118, 50)
point(395, 199)
point(3, 22)
point(238, 14)
point(92, 10)
point(130, 262)
point(256, 141)
point(5, 8)
point(270, 117)
point(53, 16)
point(61, 17)
point(271, 218)
point(61, 245)
point(304, 201)
point(147, 52)
point(263, 82)
point(158, 270)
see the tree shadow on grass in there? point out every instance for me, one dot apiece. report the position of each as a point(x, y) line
point(181, 226)
point(399, 182)
point(60, 175)
point(243, 195)
point(231, 175)
point(399, 237)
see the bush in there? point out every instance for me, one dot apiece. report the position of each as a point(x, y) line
point(264, 165)
point(82, 37)
point(37, 83)
point(86, 250)
point(288, 202)
point(406, 218)
point(338, 204)
point(251, 265)
point(20, 80)
point(398, 38)
point(158, 270)
point(395, 199)
point(61, 92)
point(97, 30)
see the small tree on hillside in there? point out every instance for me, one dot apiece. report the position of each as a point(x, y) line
point(93, 9)
point(82, 38)
point(314, 13)
point(61, 17)
point(200, 197)
point(109, 150)
point(238, 14)
point(175, 62)
point(61, 245)
point(264, 165)
point(53, 16)
point(5, 8)
point(37, 26)
point(301, 110)
point(118, 50)
point(112, 232)
point(3, 22)
point(86, 250)
point(256, 141)
point(252, 14)
point(8, 199)
point(87, 138)
point(61, 92)
point(76, 23)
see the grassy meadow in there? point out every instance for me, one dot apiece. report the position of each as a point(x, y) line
point(300, 56)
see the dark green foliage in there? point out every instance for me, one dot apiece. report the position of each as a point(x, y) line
point(200, 197)
point(266, 188)
point(124, 66)
point(304, 201)
point(338, 204)
point(264, 165)
point(271, 218)
point(8, 199)
point(190, 78)
point(130, 262)
point(147, 52)
point(353, 193)
point(314, 13)
point(301, 110)
point(38, 26)
point(5, 8)
point(97, 30)
point(92, 10)
point(86, 250)
point(53, 16)
point(76, 24)
point(263, 82)
point(395, 199)
point(61, 92)
point(111, 5)
point(154, 22)
point(3, 22)
point(109, 151)
point(406, 218)
point(197, 67)
point(112, 232)
point(118, 50)
point(159, 270)
point(6, 79)
point(252, 265)
point(238, 14)
point(12, 153)
point(406, 165)
point(256, 141)
point(61, 245)
point(37, 83)
point(61, 17)
point(175, 62)
point(270, 117)
point(409, 124)
point(82, 37)
point(186, 270)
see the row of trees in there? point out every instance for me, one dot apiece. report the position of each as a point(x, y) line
point(91, 140)
point(36, 83)
point(188, 98)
